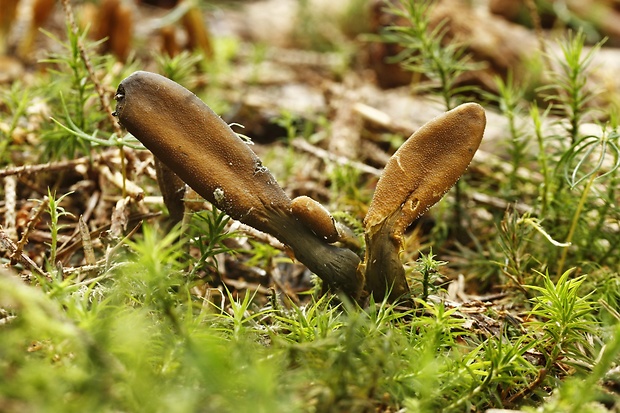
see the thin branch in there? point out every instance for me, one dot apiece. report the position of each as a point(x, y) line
point(35, 216)
point(303, 145)
point(10, 216)
point(7, 244)
point(47, 167)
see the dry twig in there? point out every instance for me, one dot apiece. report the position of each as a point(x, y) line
point(7, 244)
point(305, 146)
point(51, 166)
point(35, 215)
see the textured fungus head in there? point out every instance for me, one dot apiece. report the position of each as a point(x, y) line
point(427, 165)
point(194, 142)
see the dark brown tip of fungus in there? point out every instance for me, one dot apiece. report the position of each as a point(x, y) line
point(314, 216)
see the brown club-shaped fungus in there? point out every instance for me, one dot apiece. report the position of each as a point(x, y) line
point(197, 145)
point(418, 175)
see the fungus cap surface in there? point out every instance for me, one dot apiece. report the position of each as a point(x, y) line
point(427, 165)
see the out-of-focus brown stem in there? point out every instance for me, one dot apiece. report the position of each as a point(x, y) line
point(7, 17)
point(197, 32)
point(115, 22)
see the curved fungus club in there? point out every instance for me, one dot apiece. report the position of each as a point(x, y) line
point(198, 146)
point(418, 175)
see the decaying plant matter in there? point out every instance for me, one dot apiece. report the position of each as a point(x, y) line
point(196, 144)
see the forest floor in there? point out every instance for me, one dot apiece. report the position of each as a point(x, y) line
point(111, 302)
